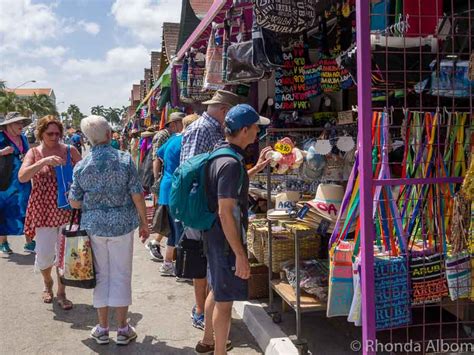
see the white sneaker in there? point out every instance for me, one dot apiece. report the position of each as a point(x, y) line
point(167, 269)
point(100, 336)
point(124, 338)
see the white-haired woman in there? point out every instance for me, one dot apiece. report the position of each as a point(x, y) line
point(107, 189)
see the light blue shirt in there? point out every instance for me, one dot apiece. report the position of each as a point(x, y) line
point(169, 154)
point(104, 182)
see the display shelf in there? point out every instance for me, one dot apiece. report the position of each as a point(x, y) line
point(308, 303)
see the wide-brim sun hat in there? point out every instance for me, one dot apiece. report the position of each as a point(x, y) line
point(147, 134)
point(223, 97)
point(13, 117)
point(175, 116)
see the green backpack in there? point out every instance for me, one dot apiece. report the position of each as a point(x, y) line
point(188, 201)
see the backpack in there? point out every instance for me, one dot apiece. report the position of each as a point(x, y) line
point(188, 198)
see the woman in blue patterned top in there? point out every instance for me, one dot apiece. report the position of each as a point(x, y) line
point(14, 199)
point(107, 189)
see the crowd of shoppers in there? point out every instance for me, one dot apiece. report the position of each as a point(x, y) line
point(109, 186)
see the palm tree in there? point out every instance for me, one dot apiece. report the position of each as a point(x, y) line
point(9, 101)
point(2, 85)
point(41, 105)
point(98, 110)
point(113, 115)
point(75, 113)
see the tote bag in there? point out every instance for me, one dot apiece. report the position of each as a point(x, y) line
point(458, 274)
point(76, 263)
point(64, 181)
point(213, 74)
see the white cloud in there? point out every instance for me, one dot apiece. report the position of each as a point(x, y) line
point(144, 19)
point(16, 74)
point(23, 21)
point(90, 27)
point(46, 52)
point(116, 60)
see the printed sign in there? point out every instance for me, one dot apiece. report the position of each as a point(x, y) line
point(286, 16)
point(283, 148)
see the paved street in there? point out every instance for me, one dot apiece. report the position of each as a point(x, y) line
point(160, 312)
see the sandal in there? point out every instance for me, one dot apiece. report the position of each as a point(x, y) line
point(48, 293)
point(64, 303)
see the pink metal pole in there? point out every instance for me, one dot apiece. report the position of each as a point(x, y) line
point(364, 90)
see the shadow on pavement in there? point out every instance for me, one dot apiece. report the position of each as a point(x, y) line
point(84, 316)
point(239, 334)
point(149, 345)
point(21, 259)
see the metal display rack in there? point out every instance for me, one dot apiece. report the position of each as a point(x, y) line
point(299, 301)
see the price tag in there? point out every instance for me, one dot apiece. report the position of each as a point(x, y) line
point(283, 148)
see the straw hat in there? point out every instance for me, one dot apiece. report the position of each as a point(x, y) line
point(13, 117)
point(287, 200)
point(324, 208)
point(175, 116)
point(223, 97)
point(147, 134)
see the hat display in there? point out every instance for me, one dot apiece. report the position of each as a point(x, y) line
point(175, 116)
point(243, 115)
point(223, 97)
point(13, 117)
point(322, 211)
point(281, 215)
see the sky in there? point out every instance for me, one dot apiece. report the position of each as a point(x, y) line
point(89, 52)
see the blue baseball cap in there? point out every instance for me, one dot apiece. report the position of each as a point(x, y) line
point(244, 115)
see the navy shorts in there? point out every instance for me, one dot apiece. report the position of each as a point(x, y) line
point(221, 276)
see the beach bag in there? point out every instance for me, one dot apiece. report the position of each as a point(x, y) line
point(188, 197)
point(196, 81)
point(64, 181)
point(191, 261)
point(6, 167)
point(76, 263)
point(213, 74)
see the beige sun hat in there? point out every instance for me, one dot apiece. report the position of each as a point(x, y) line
point(175, 116)
point(147, 134)
point(13, 117)
point(224, 97)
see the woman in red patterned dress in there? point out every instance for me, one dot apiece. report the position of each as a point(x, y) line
point(43, 217)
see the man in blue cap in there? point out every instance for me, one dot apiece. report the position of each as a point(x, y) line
point(229, 268)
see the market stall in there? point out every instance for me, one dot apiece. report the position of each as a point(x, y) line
point(360, 214)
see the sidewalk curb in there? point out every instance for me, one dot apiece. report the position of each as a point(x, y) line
point(268, 335)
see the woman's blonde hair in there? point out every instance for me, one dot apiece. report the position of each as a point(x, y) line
point(43, 124)
point(189, 119)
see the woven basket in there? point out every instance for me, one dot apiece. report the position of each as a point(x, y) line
point(254, 243)
point(284, 250)
point(258, 282)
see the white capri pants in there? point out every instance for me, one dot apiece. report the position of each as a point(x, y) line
point(47, 246)
point(113, 266)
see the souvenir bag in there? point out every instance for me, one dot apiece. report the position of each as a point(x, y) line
point(213, 74)
point(160, 223)
point(196, 81)
point(424, 221)
point(341, 252)
point(76, 263)
point(392, 296)
point(183, 81)
point(458, 274)
point(64, 181)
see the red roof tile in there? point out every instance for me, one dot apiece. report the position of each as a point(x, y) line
point(201, 7)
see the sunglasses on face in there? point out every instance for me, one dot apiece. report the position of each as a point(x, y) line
point(51, 134)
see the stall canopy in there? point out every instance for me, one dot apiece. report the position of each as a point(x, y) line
point(164, 81)
point(201, 34)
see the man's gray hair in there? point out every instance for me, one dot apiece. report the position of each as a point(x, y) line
point(95, 128)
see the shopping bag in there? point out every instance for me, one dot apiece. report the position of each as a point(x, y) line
point(458, 274)
point(355, 313)
point(191, 261)
point(161, 223)
point(64, 181)
point(76, 267)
